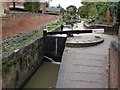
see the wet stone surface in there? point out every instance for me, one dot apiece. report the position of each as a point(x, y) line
point(84, 40)
point(44, 77)
point(85, 67)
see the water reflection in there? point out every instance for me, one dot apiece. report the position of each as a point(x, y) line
point(45, 76)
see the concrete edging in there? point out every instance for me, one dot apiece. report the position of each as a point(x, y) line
point(84, 44)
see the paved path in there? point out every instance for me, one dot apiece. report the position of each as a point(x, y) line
point(85, 67)
point(84, 40)
point(78, 26)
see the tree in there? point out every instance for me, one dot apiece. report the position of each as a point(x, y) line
point(114, 8)
point(101, 11)
point(102, 8)
point(72, 10)
point(32, 6)
point(93, 10)
point(48, 3)
point(83, 12)
point(118, 13)
point(67, 16)
point(61, 8)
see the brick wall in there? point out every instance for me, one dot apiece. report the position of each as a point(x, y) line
point(43, 7)
point(114, 62)
point(21, 3)
point(17, 3)
point(1, 8)
point(4, 7)
point(9, 42)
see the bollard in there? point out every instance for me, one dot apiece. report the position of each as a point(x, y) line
point(44, 32)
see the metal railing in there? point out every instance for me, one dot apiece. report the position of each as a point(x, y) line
point(67, 32)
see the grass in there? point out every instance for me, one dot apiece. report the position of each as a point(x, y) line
point(83, 19)
point(23, 42)
point(2, 14)
point(53, 26)
point(31, 38)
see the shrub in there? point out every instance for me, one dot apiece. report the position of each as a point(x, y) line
point(32, 6)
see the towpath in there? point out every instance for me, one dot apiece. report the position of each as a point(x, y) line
point(85, 67)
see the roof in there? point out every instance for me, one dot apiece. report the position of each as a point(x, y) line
point(52, 9)
point(21, 7)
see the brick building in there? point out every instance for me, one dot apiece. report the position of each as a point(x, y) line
point(43, 7)
point(6, 5)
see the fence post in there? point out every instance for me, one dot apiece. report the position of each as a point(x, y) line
point(119, 34)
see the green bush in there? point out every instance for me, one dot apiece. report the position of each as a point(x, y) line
point(6, 68)
point(118, 13)
point(32, 6)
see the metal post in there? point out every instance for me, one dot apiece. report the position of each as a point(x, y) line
point(44, 40)
point(44, 32)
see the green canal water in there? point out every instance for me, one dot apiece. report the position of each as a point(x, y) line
point(45, 76)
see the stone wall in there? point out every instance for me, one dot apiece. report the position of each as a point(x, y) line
point(4, 7)
point(18, 66)
point(109, 29)
point(114, 68)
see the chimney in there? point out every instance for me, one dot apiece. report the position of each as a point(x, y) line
point(43, 7)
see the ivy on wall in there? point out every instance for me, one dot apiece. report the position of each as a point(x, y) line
point(6, 68)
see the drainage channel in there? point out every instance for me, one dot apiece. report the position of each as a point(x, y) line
point(45, 76)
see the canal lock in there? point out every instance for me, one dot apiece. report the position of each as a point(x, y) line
point(46, 75)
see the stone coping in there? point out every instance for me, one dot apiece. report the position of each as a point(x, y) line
point(83, 41)
point(89, 25)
